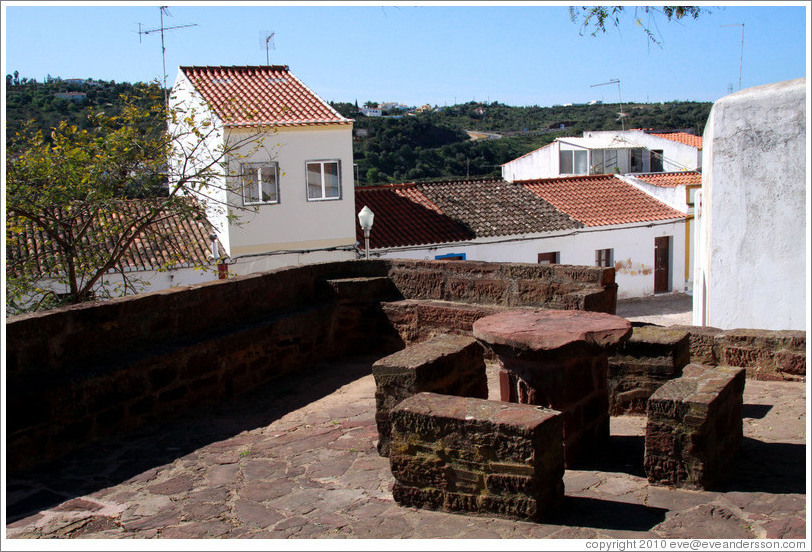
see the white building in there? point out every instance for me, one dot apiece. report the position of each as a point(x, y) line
point(751, 212)
point(293, 171)
point(599, 220)
point(609, 152)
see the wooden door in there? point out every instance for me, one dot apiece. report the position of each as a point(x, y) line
point(661, 264)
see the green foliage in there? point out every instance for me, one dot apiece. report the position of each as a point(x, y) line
point(434, 144)
point(68, 221)
point(593, 19)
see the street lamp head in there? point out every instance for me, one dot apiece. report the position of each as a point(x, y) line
point(365, 218)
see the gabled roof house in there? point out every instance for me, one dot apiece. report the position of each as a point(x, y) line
point(577, 220)
point(294, 173)
point(609, 152)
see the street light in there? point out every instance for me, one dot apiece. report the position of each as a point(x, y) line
point(365, 217)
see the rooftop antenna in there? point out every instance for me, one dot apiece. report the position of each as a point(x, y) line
point(615, 81)
point(164, 10)
point(741, 53)
point(266, 40)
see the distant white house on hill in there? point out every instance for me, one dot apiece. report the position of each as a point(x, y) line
point(299, 181)
point(609, 152)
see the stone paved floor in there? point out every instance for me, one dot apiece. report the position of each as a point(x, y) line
point(297, 459)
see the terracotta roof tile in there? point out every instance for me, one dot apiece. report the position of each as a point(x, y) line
point(404, 216)
point(601, 200)
point(261, 95)
point(671, 179)
point(175, 240)
point(494, 207)
point(682, 138)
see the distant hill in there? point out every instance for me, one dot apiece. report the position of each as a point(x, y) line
point(434, 143)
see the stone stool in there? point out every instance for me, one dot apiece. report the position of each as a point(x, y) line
point(694, 426)
point(464, 454)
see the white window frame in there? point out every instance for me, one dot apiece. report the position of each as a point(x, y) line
point(261, 169)
point(570, 153)
point(322, 163)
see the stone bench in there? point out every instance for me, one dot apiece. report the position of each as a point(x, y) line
point(652, 356)
point(694, 426)
point(476, 456)
point(446, 364)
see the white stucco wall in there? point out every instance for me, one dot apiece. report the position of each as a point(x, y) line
point(751, 226)
point(540, 163)
point(190, 152)
point(296, 222)
point(633, 252)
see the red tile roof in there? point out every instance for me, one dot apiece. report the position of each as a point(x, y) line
point(180, 241)
point(601, 200)
point(448, 211)
point(404, 216)
point(671, 179)
point(681, 137)
point(261, 95)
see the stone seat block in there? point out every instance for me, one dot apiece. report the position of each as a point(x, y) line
point(652, 356)
point(694, 426)
point(446, 364)
point(471, 455)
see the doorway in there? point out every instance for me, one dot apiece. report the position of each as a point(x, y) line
point(662, 269)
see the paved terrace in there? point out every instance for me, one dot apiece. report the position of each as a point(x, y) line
point(297, 459)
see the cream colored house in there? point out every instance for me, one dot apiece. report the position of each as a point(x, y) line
point(290, 184)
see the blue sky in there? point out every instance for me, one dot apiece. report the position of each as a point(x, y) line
point(441, 54)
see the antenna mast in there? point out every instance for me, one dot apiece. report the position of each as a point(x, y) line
point(164, 9)
point(741, 53)
point(615, 81)
point(266, 41)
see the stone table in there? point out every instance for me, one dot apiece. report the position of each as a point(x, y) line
point(558, 359)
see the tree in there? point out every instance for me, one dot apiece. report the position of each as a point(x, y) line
point(595, 18)
point(72, 191)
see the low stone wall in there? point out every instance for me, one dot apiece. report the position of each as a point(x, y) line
point(445, 364)
point(508, 284)
point(80, 373)
point(694, 426)
point(771, 355)
point(477, 456)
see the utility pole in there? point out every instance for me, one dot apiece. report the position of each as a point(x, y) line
point(163, 9)
point(741, 52)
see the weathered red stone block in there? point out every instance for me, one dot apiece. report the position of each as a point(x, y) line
point(448, 364)
point(694, 426)
point(472, 455)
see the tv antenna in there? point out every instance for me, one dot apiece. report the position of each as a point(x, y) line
point(615, 81)
point(164, 10)
point(266, 41)
point(741, 53)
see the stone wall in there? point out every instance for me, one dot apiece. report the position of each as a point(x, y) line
point(774, 355)
point(80, 373)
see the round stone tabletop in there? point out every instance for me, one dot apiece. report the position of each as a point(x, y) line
point(546, 330)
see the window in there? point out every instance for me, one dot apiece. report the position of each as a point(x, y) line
point(549, 258)
point(451, 257)
point(603, 257)
point(260, 183)
point(604, 161)
point(323, 180)
point(636, 160)
point(573, 162)
point(656, 160)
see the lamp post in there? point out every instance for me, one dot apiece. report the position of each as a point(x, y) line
point(365, 217)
